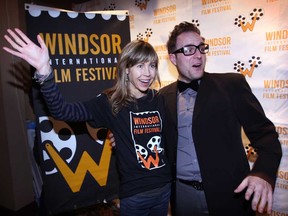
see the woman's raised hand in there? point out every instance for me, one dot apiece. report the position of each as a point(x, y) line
point(24, 48)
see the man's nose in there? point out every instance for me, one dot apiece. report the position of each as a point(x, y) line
point(197, 54)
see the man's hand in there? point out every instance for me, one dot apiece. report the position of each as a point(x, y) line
point(261, 191)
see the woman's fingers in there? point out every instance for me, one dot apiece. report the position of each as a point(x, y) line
point(23, 36)
point(17, 42)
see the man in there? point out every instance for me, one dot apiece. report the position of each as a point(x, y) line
point(204, 145)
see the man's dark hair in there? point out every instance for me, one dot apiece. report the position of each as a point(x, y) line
point(179, 29)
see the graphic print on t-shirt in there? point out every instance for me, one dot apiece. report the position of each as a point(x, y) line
point(146, 128)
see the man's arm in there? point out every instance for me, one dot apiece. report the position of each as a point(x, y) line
point(264, 139)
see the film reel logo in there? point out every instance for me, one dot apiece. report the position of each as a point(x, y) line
point(195, 22)
point(59, 146)
point(142, 4)
point(146, 130)
point(254, 62)
point(250, 152)
point(255, 15)
point(146, 35)
point(112, 6)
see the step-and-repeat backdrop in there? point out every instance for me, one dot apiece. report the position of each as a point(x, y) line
point(247, 37)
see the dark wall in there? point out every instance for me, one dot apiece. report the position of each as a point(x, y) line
point(16, 181)
point(16, 178)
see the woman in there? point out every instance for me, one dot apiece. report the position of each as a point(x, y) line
point(130, 109)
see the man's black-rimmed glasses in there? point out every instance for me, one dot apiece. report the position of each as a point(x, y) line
point(191, 49)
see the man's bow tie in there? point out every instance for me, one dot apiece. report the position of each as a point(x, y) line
point(182, 86)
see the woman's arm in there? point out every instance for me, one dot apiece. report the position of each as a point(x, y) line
point(58, 107)
point(38, 57)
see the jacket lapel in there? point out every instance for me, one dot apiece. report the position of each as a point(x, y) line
point(171, 102)
point(202, 96)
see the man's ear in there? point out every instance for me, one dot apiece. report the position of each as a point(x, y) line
point(172, 58)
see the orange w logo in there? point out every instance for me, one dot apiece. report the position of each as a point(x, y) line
point(86, 164)
point(254, 62)
point(248, 25)
point(150, 159)
point(247, 71)
point(255, 15)
point(142, 5)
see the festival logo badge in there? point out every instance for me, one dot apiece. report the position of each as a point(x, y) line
point(142, 4)
point(250, 152)
point(195, 22)
point(112, 6)
point(254, 62)
point(145, 130)
point(244, 24)
point(60, 153)
point(146, 35)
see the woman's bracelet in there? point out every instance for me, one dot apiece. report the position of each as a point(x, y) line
point(40, 78)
